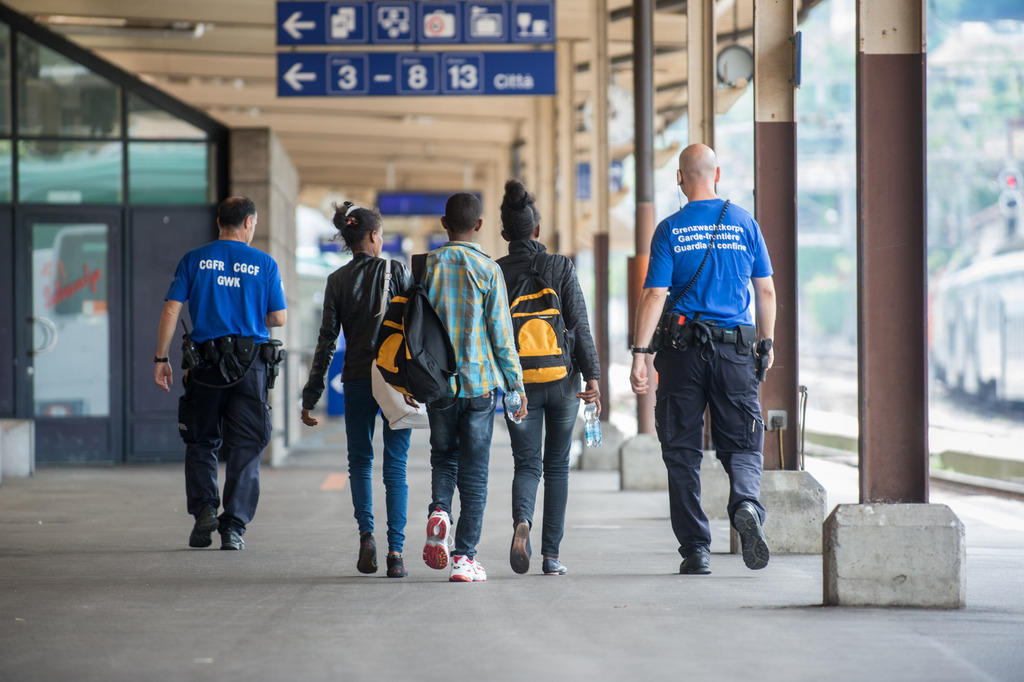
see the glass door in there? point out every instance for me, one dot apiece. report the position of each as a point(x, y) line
point(74, 328)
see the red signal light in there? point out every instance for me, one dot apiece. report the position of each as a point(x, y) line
point(1011, 181)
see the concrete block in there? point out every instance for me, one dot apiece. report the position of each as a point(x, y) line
point(714, 487)
point(894, 555)
point(606, 457)
point(17, 448)
point(640, 464)
point(795, 504)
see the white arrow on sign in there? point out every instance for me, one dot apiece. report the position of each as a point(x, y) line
point(295, 75)
point(294, 27)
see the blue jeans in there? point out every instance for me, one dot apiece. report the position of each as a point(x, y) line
point(460, 452)
point(548, 406)
point(360, 418)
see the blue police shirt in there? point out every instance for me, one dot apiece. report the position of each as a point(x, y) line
point(230, 287)
point(721, 294)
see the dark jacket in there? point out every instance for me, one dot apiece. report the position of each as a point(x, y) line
point(351, 303)
point(560, 273)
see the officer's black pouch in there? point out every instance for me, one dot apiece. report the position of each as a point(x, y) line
point(245, 350)
point(745, 337)
point(211, 356)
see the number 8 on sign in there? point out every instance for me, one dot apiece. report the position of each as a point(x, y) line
point(418, 74)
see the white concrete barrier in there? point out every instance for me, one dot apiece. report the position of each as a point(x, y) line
point(17, 448)
point(795, 505)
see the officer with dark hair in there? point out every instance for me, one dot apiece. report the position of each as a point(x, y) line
point(708, 254)
point(234, 294)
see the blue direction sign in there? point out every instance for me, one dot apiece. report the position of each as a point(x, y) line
point(334, 22)
point(319, 74)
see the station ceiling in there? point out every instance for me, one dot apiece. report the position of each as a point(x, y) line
point(219, 56)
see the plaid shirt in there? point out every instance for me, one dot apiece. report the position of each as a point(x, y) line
point(467, 290)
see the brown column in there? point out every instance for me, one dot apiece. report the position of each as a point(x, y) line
point(643, 140)
point(700, 78)
point(775, 209)
point(566, 182)
point(891, 242)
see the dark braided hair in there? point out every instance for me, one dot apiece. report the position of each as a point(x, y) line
point(355, 223)
point(519, 215)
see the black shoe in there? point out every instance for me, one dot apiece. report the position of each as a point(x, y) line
point(554, 567)
point(367, 562)
point(231, 539)
point(697, 562)
point(396, 566)
point(519, 554)
point(206, 523)
point(747, 523)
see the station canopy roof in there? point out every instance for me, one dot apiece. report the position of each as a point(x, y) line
point(220, 57)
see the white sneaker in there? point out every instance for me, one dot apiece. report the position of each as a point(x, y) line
point(465, 570)
point(435, 551)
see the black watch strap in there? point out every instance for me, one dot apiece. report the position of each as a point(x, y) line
point(638, 350)
point(159, 360)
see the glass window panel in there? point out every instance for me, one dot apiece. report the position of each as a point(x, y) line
point(168, 172)
point(70, 270)
point(58, 97)
point(51, 172)
point(5, 171)
point(5, 79)
point(149, 122)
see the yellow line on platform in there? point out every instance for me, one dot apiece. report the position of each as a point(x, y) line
point(334, 482)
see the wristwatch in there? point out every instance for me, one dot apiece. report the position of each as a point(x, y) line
point(641, 350)
point(159, 360)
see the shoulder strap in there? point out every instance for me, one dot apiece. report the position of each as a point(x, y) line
point(385, 296)
point(711, 245)
point(419, 267)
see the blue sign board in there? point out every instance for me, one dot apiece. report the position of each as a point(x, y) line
point(306, 22)
point(341, 74)
point(413, 203)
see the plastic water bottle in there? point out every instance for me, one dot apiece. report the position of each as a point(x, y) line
point(512, 404)
point(591, 426)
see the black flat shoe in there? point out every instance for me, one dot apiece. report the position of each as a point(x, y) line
point(697, 562)
point(206, 523)
point(553, 567)
point(519, 553)
point(396, 566)
point(231, 540)
point(367, 562)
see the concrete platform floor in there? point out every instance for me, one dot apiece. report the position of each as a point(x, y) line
point(97, 584)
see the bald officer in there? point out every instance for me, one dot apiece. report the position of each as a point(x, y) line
point(708, 254)
point(234, 294)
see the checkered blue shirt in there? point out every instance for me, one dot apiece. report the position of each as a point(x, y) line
point(467, 290)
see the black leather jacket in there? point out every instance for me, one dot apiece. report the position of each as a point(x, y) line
point(351, 303)
point(561, 275)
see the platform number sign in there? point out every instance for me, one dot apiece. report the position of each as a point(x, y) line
point(417, 74)
point(347, 74)
point(462, 73)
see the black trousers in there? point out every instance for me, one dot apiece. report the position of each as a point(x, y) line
point(233, 425)
point(719, 377)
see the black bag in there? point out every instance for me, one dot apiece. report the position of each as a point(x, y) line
point(414, 351)
point(670, 323)
point(538, 326)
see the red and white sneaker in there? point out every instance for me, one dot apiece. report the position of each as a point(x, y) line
point(435, 552)
point(466, 570)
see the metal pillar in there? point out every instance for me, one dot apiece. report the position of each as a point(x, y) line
point(643, 144)
point(700, 60)
point(891, 251)
point(775, 209)
point(566, 120)
point(599, 192)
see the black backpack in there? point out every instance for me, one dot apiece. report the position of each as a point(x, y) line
point(542, 340)
point(414, 352)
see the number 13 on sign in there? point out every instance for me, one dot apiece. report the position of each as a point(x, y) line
point(462, 73)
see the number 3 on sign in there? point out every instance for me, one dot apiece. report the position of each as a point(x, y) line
point(346, 74)
point(348, 77)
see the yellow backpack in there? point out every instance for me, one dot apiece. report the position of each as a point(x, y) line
point(542, 340)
